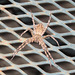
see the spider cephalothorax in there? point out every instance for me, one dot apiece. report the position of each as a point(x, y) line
point(39, 29)
point(37, 32)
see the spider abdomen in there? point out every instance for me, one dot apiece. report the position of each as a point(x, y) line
point(37, 37)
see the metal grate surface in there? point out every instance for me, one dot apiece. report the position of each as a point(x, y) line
point(15, 17)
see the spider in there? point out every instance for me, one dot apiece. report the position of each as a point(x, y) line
point(37, 36)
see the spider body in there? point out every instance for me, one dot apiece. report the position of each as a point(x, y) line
point(37, 32)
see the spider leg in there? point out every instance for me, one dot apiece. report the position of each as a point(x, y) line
point(47, 24)
point(48, 21)
point(22, 46)
point(27, 30)
point(48, 54)
point(52, 38)
point(33, 21)
point(46, 51)
point(17, 50)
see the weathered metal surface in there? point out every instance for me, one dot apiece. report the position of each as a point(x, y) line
point(15, 17)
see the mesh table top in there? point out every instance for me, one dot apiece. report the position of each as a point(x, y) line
point(15, 17)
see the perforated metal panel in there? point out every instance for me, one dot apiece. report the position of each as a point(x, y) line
point(15, 17)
